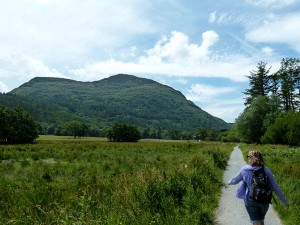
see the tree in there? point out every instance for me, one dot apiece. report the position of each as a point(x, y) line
point(269, 99)
point(289, 75)
point(123, 133)
point(275, 89)
point(146, 133)
point(174, 134)
point(17, 126)
point(186, 135)
point(77, 129)
point(285, 130)
point(249, 125)
point(4, 125)
point(259, 83)
point(201, 134)
point(73, 128)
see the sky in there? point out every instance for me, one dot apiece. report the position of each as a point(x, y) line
point(203, 48)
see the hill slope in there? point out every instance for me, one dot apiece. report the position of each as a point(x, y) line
point(120, 98)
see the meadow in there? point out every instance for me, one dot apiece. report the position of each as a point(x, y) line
point(62, 180)
point(284, 162)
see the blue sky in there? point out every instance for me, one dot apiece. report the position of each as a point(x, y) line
point(205, 49)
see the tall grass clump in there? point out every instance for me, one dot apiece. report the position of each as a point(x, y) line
point(284, 162)
point(94, 182)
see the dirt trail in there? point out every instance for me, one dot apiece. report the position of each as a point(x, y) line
point(231, 210)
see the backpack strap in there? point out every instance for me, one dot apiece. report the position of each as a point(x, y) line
point(273, 198)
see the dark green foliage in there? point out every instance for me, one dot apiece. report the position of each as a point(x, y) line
point(289, 79)
point(285, 130)
point(269, 101)
point(73, 128)
point(16, 126)
point(249, 124)
point(123, 133)
point(117, 99)
point(259, 83)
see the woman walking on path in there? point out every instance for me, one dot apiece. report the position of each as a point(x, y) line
point(256, 210)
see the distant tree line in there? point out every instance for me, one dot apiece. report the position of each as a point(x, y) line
point(202, 134)
point(272, 106)
point(16, 126)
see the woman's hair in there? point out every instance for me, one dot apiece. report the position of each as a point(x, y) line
point(256, 158)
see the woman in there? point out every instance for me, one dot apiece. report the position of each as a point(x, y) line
point(256, 211)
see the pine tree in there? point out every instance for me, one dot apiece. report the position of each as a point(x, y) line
point(290, 82)
point(259, 83)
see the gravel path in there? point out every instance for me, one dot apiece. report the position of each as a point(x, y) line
point(231, 210)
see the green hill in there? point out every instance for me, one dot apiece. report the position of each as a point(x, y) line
point(120, 98)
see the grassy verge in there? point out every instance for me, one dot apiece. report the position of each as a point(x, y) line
point(90, 181)
point(285, 164)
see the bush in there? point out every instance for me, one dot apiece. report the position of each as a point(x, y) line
point(123, 133)
point(285, 130)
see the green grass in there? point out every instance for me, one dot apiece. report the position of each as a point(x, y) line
point(62, 180)
point(285, 164)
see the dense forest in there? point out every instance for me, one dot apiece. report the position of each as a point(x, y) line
point(272, 106)
point(157, 110)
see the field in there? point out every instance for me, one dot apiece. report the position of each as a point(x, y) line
point(61, 180)
point(285, 164)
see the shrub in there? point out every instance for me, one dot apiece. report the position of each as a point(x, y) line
point(123, 133)
point(285, 130)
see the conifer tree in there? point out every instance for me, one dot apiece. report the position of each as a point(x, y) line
point(259, 83)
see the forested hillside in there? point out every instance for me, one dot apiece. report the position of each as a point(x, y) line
point(120, 98)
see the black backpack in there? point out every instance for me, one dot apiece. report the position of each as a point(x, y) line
point(260, 190)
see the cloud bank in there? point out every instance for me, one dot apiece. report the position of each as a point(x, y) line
point(175, 55)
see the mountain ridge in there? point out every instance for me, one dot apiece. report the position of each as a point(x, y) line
point(120, 98)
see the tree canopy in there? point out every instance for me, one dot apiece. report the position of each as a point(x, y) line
point(285, 130)
point(273, 105)
point(259, 83)
point(123, 133)
point(17, 126)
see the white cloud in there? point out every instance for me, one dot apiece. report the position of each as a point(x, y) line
point(17, 69)
point(174, 56)
point(228, 110)
point(181, 81)
point(46, 2)
point(283, 29)
point(267, 50)
point(3, 88)
point(212, 17)
point(37, 68)
point(177, 49)
point(68, 30)
point(211, 99)
point(272, 3)
point(219, 18)
point(206, 93)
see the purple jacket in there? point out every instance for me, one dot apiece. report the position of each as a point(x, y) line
point(243, 178)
